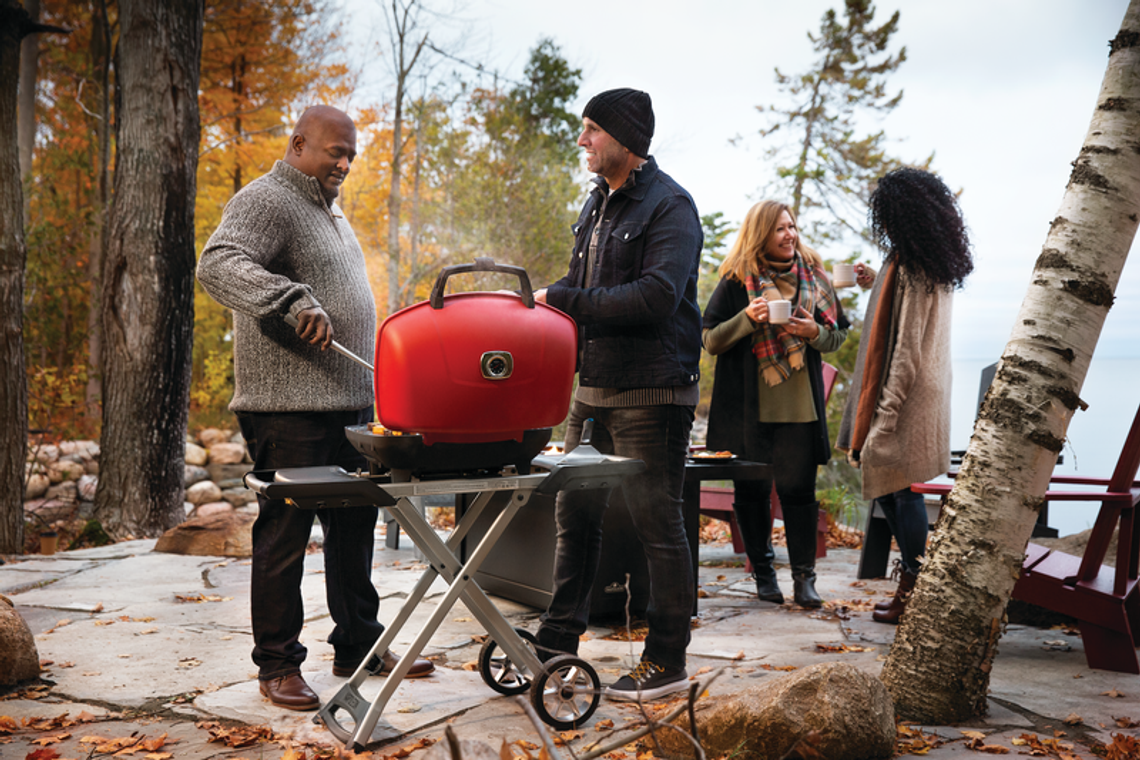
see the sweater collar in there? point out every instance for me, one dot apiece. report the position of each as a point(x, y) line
point(306, 186)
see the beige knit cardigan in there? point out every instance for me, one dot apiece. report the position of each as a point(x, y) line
point(909, 439)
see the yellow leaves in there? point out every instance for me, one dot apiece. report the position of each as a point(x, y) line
point(1038, 747)
point(128, 745)
point(786, 668)
point(200, 598)
point(976, 741)
point(840, 648)
point(1112, 693)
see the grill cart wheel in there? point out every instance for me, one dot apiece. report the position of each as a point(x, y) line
point(499, 672)
point(566, 692)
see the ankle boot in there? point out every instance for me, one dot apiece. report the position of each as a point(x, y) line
point(755, 523)
point(800, 521)
point(898, 603)
point(896, 576)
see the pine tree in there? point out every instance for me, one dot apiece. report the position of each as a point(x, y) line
point(826, 170)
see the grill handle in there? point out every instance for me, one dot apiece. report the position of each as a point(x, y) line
point(482, 264)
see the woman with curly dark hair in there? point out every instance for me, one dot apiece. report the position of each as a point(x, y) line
point(896, 426)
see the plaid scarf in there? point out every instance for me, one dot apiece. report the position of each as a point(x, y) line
point(778, 352)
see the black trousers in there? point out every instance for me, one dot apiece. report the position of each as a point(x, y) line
point(281, 534)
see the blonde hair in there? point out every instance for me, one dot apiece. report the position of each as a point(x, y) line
point(747, 254)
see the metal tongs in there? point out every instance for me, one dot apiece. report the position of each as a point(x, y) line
point(292, 322)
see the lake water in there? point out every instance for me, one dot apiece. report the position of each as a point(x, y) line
point(1095, 435)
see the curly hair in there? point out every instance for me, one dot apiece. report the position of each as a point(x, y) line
point(916, 219)
point(747, 254)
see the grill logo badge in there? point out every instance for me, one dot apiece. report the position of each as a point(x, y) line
point(497, 365)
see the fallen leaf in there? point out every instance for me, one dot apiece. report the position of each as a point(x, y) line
point(739, 655)
point(565, 737)
point(974, 734)
point(602, 725)
point(1114, 694)
point(53, 739)
point(471, 666)
point(46, 753)
point(189, 662)
point(148, 631)
point(98, 607)
point(702, 671)
point(125, 656)
point(1073, 720)
point(461, 620)
point(413, 708)
point(104, 622)
point(1127, 723)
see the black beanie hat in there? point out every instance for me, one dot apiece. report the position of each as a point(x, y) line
point(627, 115)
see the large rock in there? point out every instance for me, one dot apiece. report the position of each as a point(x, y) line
point(195, 454)
point(65, 469)
point(227, 473)
point(66, 492)
point(88, 484)
point(227, 453)
point(37, 486)
point(213, 508)
point(210, 436)
point(239, 496)
point(45, 454)
point(50, 510)
point(225, 535)
point(82, 449)
point(193, 473)
point(203, 492)
point(19, 660)
point(839, 711)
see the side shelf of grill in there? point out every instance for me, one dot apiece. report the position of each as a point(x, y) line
point(318, 487)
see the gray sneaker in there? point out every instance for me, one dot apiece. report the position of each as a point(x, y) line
point(648, 681)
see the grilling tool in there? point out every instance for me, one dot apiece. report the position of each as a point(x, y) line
point(292, 322)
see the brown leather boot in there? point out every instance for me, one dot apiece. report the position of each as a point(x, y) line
point(290, 692)
point(896, 575)
point(898, 603)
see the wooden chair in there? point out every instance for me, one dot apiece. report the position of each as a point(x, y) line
point(1104, 600)
point(717, 502)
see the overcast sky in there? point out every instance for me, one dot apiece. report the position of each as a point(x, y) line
point(1000, 90)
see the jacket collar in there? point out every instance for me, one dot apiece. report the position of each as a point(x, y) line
point(642, 177)
point(306, 186)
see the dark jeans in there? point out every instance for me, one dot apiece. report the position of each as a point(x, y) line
point(906, 516)
point(659, 436)
point(281, 534)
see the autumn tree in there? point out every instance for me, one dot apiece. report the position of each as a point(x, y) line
point(148, 273)
point(938, 670)
point(826, 166)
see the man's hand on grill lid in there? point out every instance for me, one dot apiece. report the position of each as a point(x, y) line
point(314, 326)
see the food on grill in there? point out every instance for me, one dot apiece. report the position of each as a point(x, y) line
point(711, 455)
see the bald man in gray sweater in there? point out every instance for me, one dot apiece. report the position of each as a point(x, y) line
point(283, 247)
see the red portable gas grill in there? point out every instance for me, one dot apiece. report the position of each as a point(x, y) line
point(467, 388)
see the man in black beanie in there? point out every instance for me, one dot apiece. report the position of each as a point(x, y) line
point(632, 288)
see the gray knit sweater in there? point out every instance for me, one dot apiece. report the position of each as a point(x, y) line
point(281, 248)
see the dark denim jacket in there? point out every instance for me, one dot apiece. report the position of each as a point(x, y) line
point(639, 322)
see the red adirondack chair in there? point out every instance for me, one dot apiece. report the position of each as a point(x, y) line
point(1104, 600)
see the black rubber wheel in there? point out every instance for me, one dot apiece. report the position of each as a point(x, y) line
point(566, 692)
point(499, 672)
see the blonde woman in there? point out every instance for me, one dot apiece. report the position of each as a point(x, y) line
point(768, 396)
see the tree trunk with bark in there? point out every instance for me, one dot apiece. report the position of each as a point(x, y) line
point(13, 257)
point(148, 273)
point(938, 670)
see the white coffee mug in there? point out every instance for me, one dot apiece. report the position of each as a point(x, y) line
point(779, 312)
point(843, 275)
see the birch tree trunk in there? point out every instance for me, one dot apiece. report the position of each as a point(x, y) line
point(148, 273)
point(938, 670)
